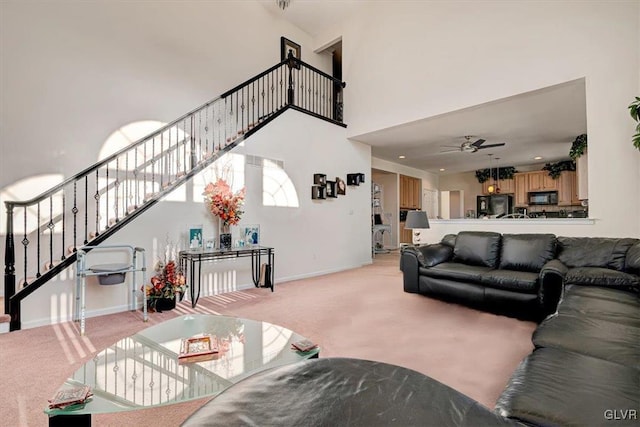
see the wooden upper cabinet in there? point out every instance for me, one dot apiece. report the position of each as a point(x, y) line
point(541, 181)
point(521, 184)
point(568, 189)
point(410, 192)
point(507, 186)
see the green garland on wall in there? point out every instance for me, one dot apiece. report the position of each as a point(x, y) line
point(578, 147)
point(506, 172)
point(555, 168)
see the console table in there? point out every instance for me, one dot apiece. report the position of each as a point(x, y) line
point(189, 259)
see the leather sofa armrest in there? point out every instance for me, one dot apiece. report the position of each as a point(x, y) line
point(434, 254)
point(551, 278)
point(413, 258)
point(409, 265)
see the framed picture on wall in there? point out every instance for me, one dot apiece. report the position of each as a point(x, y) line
point(287, 45)
point(341, 186)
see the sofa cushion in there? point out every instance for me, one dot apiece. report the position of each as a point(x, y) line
point(477, 248)
point(449, 240)
point(597, 276)
point(601, 303)
point(592, 337)
point(632, 260)
point(526, 252)
point(455, 271)
point(594, 251)
point(510, 280)
point(562, 388)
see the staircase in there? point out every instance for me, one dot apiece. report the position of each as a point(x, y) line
point(44, 233)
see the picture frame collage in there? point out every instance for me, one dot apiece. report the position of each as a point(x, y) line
point(327, 189)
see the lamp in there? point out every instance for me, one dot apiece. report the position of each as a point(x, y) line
point(282, 4)
point(416, 220)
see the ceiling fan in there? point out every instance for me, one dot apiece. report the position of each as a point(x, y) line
point(470, 147)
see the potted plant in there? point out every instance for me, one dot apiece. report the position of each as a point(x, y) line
point(633, 110)
point(166, 286)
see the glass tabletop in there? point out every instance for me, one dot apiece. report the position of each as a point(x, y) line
point(143, 370)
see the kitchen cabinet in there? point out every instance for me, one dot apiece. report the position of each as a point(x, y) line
point(521, 184)
point(506, 186)
point(541, 181)
point(410, 192)
point(406, 234)
point(567, 190)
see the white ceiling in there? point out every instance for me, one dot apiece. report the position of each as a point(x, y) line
point(540, 123)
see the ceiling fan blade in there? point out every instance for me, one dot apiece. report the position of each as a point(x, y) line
point(492, 145)
point(478, 143)
point(457, 150)
point(450, 146)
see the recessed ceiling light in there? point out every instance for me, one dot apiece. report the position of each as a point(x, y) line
point(537, 158)
point(441, 169)
point(401, 157)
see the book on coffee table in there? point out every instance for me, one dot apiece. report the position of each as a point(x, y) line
point(304, 345)
point(198, 349)
point(71, 396)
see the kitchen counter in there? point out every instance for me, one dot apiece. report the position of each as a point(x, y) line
point(521, 221)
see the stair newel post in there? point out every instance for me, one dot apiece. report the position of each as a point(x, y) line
point(290, 65)
point(9, 261)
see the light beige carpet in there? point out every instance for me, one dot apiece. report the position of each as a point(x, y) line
point(361, 313)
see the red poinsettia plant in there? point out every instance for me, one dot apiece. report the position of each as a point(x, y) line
point(224, 203)
point(165, 284)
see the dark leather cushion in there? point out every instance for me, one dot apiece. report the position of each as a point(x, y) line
point(632, 260)
point(342, 392)
point(601, 303)
point(449, 240)
point(596, 276)
point(431, 255)
point(477, 248)
point(510, 280)
point(562, 388)
point(455, 271)
point(594, 251)
point(527, 252)
point(591, 336)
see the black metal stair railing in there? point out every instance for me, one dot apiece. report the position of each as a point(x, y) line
point(44, 233)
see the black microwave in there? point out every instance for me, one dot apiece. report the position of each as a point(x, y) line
point(543, 198)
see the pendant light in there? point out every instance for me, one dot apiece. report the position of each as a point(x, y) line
point(497, 180)
point(491, 188)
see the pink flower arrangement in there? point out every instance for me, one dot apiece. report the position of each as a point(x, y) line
point(223, 203)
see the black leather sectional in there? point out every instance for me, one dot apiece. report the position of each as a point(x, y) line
point(584, 370)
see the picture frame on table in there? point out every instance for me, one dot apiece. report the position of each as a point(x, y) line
point(287, 45)
point(250, 234)
point(195, 237)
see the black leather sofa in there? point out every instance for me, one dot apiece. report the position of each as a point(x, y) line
point(501, 273)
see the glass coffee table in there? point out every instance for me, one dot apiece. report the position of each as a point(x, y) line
point(144, 370)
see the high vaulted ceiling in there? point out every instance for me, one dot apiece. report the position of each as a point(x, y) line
point(539, 123)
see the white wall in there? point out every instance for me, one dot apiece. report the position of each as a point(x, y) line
point(410, 60)
point(317, 238)
point(75, 72)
